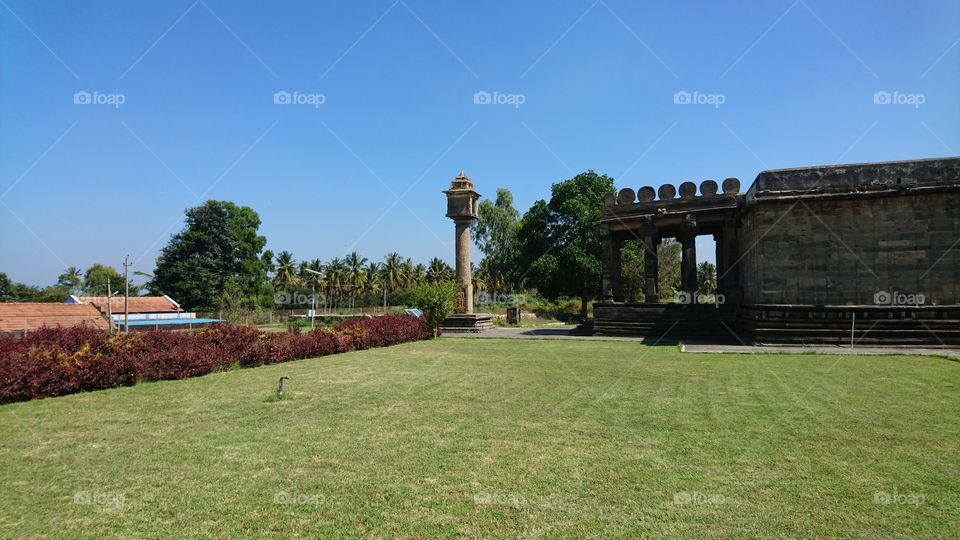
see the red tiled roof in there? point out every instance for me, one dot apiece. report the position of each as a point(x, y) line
point(138, 304)
point(15, 317)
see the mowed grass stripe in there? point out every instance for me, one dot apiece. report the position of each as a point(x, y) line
point(505, 438)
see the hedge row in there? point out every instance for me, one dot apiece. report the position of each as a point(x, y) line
point(58, 361)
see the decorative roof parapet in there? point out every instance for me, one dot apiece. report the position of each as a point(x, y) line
point(665, 201)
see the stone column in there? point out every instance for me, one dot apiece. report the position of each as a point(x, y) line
point(464, 272)
point(728, 280)
point(721, 263)
point(611, 278)
point(688, 266)
point(462, 209)
point(651, 268)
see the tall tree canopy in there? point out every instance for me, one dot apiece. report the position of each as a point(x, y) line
point(493, 233)
point(220, 244)
point(95, 280)
point(72, 280)
point(557, 247)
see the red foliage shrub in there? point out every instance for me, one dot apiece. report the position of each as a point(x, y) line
point(58, 361)
point(386, 330)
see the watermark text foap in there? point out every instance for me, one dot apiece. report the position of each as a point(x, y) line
point(293, 298)
point(83, 97)
point(695, 497)
point(489, 298)
point(95, 498)
point(283, 97)
point(696, 97)
point(898, 298)
point(551, 503)
point(691, 298)
point(298, 499)
point(885, 498)
point(897, 97)
point(482, 97)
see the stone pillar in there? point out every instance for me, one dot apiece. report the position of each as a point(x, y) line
point(612, 280)
point(728, 279)
point(464, 273)
point(719, 253)
point(688, 265)
point(651, 268)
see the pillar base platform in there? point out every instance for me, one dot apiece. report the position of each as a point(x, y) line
point(466, 322)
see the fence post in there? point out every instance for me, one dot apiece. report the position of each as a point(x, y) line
point(853, 325)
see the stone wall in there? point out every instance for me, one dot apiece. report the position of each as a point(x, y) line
point(844, 251)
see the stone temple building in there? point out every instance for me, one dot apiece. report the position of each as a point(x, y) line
point(863, 253)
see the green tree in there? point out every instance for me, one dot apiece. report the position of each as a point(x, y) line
point(356, 274)
point(392, 271)
point(220, 242)
point(407, 272)
point(286, 276)
point(373, 282)
point(71, 279)
point(6, 288)
point(558, 249)
point(437, 301)
point(634, 277)
point(706, 278)
point(95, 280)
point(336, 279)
point(419, 274)
point(493, 233)
point(439, 271)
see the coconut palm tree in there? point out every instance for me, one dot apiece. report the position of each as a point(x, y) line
point(356, 274)
point(310, 279)
point(286, 276)
point(419, 274)
point(336, 278)
point(439, 271)
point(71, 279)
point(373, 281)
point(392, 271)
point(407, 273)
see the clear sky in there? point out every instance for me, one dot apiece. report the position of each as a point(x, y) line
point(387, 110)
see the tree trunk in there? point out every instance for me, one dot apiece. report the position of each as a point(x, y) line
point(583, 307)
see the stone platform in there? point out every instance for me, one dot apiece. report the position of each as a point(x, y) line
point(866, 325)
point(467, 322)
point(667, 322)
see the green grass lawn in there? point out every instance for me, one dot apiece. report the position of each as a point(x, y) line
point(500, 438)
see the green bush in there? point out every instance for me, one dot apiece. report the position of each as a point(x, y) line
point(437, 301)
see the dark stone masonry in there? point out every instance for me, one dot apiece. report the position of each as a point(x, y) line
point(862, 253)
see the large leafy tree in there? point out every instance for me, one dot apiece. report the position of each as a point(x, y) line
point(95, 280)
point(557, 246)
point(493, 233)
point(219, 245)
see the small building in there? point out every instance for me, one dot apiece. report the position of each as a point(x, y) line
point(145, 312)
point(20, 318)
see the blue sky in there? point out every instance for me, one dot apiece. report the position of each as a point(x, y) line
point(85, 183)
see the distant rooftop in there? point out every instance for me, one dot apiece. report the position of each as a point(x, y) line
point(138, 304)
point(17, 317)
